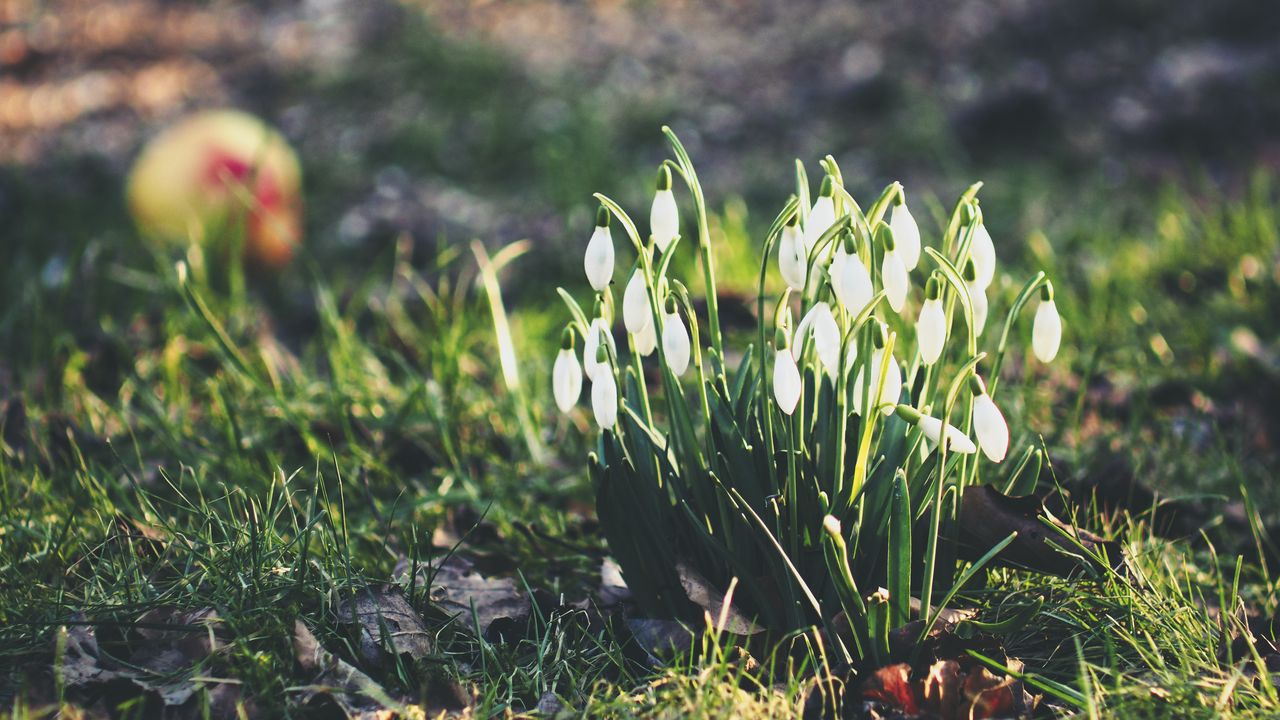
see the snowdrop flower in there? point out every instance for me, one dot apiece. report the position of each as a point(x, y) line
point(823, 214)
point(646, 340)
point(590, 347)
point(675, 339)
point(826, 336)
point(636, 314)
point(931, 326)
point(977, 296)
point(664, 218)
point(786, 376)
point(906, 232)
point(988, 423)
point(1046, 331)
point(792, 259)
point(957, 441)
point(598, 260)
point(604, 392)
point(566, 374)
point(983, 252)
point(849, 277)
point(892, 272)
point(889, 385)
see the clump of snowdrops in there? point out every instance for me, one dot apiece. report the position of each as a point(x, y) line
point(821, 475)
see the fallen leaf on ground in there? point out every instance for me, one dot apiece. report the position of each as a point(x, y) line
point(386, 622)
point(170, 643)
point(987, 516)
point(496, 605)
point(704, 595)
point(949, 690)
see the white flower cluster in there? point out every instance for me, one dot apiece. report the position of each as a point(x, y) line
point(838, 286)
point(599, 351)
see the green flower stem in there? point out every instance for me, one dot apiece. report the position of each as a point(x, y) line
point(953, 225)
point(690, 176)
point(1028, 292)
point(770, 240)
point(877, 210)
point(640, 381)
point(793, 426)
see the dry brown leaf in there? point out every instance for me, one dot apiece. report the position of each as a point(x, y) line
point(700, 591)
point(476, 600)
point(988, 516)
point(386, 620)
point(950, 690)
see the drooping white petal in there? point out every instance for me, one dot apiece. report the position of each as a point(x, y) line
point(906, 235)
point(957, 441)
point(598, 260)
point(604, 397)
point(591, 346)
point(990, 428)
point(566, 379)
point(664, 219)
point(646, 340)
point(636, 313)
point(979, 297)
point(890, 385)
point(983, 252)
point(851, 282)
point(931, 331)
point(1046, 332)
point(896, 282)
point(792, 260)
point(821, 218)
point(786, 381)
point(675, 343)
point(821, 323)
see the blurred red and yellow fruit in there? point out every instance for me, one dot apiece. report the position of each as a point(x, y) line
point(216, 174)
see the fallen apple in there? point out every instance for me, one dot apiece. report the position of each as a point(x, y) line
point(216, 176)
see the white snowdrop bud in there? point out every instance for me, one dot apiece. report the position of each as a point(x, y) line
point(957, 441)
point(792, 259)
point(988, 423)
point(823, 214)
point(892, 272)
point(906, 232)
point(646, 340)
point(983, 252)
point(604, 395)
point(849, 277)
point(831, 525)
point(636, 314)
point(566, 374)
point(591, 346)
point(675, 339)
point(932, 429)
point(664, 218)
point(821, 323)
point(786, 381)
point(598, 260)
point(1046, 331)
point(977, 296)
point(786, 376)
point(889, 382)
point(931, 326)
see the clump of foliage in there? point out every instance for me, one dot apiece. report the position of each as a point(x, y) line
point(822, 471)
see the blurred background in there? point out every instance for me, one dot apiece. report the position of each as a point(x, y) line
point(497, 119)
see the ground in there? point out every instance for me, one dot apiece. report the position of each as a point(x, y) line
point(206, 485)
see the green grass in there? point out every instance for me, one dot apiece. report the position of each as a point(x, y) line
point(159, 455)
